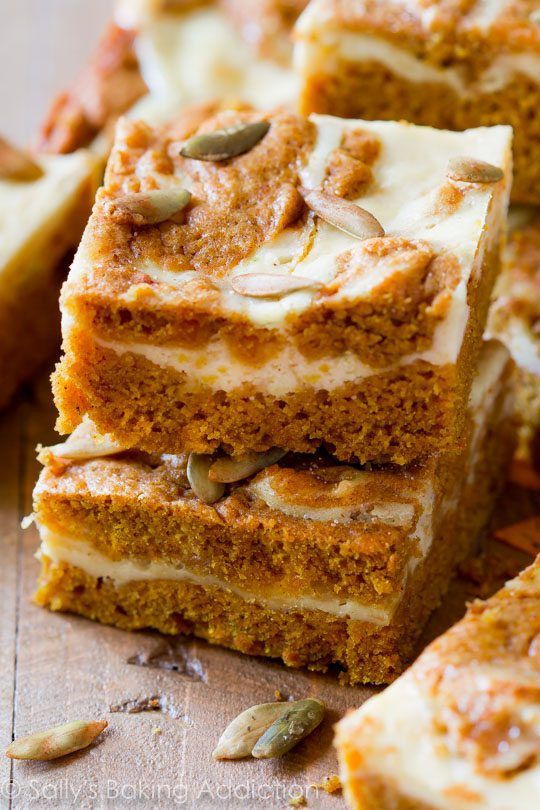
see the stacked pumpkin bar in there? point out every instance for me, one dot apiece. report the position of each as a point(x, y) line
point(286, 431)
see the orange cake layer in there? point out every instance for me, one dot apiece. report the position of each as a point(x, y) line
point(515, 315)
point(461, 729)
point(369, 342)
point(452, 64)
point(41, 220)
point(338, 564)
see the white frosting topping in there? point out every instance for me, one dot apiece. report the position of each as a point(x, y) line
point(200, 56)
point(31, 213)
point(81, 554)
point(403, 746)
point(504, 322)
point(403, 198)
point(320, 43)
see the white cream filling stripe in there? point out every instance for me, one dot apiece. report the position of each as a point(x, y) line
point(319, 44)
point(403, 747)
point(289, 370)
point(82, 555)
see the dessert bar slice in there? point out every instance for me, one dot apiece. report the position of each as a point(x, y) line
point(444, 63)
point(461, 729)
point(515, 315)
point(158, 55)
point(325, 286)
point(203, 51)
point(44, 203)
point(306, 559)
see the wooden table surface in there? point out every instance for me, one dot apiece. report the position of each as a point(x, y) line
point(57, 668)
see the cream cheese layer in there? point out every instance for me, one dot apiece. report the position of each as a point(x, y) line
point(404, 197)
point(321, 45)
point(82, 555)
point(396, 735)
point(33, 213)
point(200, 56)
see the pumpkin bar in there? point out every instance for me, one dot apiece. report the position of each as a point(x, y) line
point(515, 314)
point(305, 559)
point(461, 729)
point(44, 203)
point(452, 64)
point(202, 51)
point(323, 287)
point(157, 56)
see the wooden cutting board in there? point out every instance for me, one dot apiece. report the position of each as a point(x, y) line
point(57, 668)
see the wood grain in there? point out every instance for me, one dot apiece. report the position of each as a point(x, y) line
point(10, 429)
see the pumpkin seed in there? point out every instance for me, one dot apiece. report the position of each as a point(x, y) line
point(471, 170)
point(270, 285)
point(299, 720)
point(84, 443)
point(198, 467)
point(16, 164)
point(343, 214)
point(57, 741)
point(242, 733)
point(148, 207)
point(223, 144)
point(228, 470)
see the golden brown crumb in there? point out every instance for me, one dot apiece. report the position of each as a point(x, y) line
point(330, 784)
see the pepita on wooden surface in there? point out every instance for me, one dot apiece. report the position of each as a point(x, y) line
point(269, 729)
point(56, 742)
point(299, 720)
point(242, 733)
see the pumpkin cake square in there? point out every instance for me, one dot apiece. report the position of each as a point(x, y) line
point(461, 729)
point(305, 559)
point(322, 287)
point(157, 56)
point(44, 204)
point(452, 64)
point(514, 316)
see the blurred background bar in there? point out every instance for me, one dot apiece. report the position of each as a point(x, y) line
point(43, 44)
